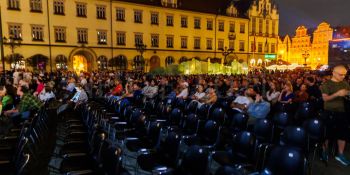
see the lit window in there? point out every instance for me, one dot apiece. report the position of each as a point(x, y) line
point(15, 31)
point(37, 33)
point(102, 37)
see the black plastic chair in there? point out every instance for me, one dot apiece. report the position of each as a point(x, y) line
point(287, 161)
point(238, 122)
point(263, 130)
point(294, 137)
point(315, 136)
point(192, 107)
point(112, 160)
point(175, 117)
point(304, 111)
point(195, 161)
point(244, 148)
point(203, 112)
point(190, 124)
point(280, 120)
point(165, 155)
point(218, 115)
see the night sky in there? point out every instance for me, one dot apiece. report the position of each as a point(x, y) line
point(312, 12)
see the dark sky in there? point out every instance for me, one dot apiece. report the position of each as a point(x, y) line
point(311, 13)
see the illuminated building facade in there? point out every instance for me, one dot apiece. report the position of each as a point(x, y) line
point(99, 34)
point(263, 32)
point(306, 47)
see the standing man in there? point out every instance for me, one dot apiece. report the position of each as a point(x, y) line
point(333, 94)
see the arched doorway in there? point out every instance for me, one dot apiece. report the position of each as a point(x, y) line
point(38, 62)
point(119, 62)
point(154, 62)
point(82, 61)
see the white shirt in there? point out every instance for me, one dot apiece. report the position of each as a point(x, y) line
point(45, 96)
point(273, 97)
point(183, 93)
point(243, 100)
point(199, 95)
point(83, 82)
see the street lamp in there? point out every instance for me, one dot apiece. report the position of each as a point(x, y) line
point(12, 43)
point(226, 52)
point(305, 56)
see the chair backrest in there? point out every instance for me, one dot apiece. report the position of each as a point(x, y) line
point(175, 117)
point(153, 132)
point(210, 132)
point(263, 130)
point(239, 122)
point(112, 160)
point(304, 111)
point(295, 137)
point(195, 161)
point(315, 129)
point(190, 124)
point(244, 146)
point(287, 161)
point(169, 149)
point(203, 111)
point(281, 119)
point(192, 107)
point(218, 115)
point(137, 118)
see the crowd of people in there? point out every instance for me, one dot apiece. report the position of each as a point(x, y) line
point(259, 93)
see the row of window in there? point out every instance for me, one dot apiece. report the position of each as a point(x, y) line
point(15, 31)
point(59, 8)
point(260, 47)
point(121, 41)
point(82, 37)
point(260, 26)
point(138, 18)
point(81, 11)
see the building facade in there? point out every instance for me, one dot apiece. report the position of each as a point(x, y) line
point(263, 31)
point(86, 35)
point(306, 47)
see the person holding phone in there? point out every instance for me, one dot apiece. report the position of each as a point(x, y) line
point(333, 94)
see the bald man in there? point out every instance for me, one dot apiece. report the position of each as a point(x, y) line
point(333, 93)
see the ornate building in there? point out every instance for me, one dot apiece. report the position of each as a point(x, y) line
point(132, 34)
point(263, 32)
point(306, 47)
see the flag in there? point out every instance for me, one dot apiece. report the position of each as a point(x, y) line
point(266, 45)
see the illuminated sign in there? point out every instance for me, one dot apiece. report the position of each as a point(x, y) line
point(270, 56)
